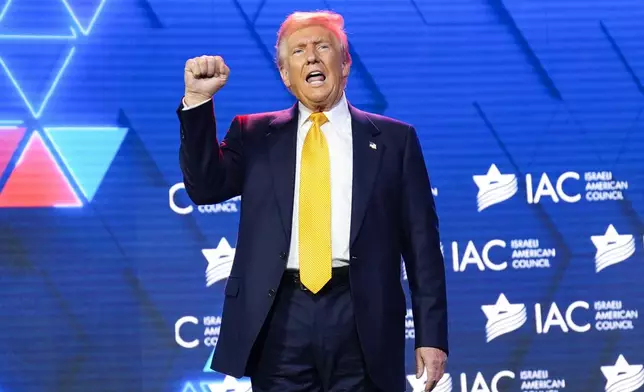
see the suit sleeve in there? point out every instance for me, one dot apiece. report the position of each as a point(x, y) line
point(421, 250)
point(212, 172)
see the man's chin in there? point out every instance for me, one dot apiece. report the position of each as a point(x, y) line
point(317, 99)
point(317, 95)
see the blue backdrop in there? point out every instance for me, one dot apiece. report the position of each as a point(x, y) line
point(530, 116)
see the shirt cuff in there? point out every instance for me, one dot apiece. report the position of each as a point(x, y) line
point(186, 107)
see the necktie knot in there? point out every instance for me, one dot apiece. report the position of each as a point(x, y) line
point(318, 118)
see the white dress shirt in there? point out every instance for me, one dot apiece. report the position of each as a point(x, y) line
point(339, 139)
point(338, 133)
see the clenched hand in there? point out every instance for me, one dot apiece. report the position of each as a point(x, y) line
point(203, 77)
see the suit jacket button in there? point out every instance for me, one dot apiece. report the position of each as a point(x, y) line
point(271, 293)
point(283, 255)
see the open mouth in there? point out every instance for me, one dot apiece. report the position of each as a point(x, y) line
point(315, 78)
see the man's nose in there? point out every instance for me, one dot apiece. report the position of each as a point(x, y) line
point(311, 56)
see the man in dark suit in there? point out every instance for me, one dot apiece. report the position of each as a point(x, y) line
point(331, 197)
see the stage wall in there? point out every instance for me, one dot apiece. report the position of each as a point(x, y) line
point(530, 117)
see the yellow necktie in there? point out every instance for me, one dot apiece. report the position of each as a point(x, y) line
point(315, 208)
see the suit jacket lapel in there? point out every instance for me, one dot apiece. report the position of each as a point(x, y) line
point(281, 137)
point(282, 144)
point(367, 152)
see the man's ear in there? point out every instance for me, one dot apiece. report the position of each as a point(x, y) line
point(284, 76)
point(346, 68)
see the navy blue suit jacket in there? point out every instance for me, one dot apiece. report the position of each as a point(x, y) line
point(393, 214)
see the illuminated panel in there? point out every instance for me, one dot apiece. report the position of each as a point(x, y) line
point(207, 368)
point(4, 9)
point(37, 111)
point(85, 10)
point(37, 181)
point(87, 152)
point(10, 136)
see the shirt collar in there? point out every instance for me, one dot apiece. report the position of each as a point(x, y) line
point(338, 113)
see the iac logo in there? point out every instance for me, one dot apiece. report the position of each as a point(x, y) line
point(622, 376)
point(494, 187)
point(220, 262)
point(504, 317)
point(418, 384)
point(498, 255)
point(533, 380)
point(55, 167)
point(228, 384)
point(184, 327)
point(568, 187)
point(182, 206)
point(612, 248)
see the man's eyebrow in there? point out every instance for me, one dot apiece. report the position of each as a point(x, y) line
point(315, 40)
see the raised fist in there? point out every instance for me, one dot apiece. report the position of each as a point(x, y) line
point(203, 77)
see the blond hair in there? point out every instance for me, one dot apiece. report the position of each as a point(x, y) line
point(330, 20)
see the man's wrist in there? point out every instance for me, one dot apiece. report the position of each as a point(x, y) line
point(191, 99)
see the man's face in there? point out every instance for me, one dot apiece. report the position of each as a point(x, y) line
point(313, 67)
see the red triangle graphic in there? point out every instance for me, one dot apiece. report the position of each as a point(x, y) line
point(37, 181)
point(9, 139)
